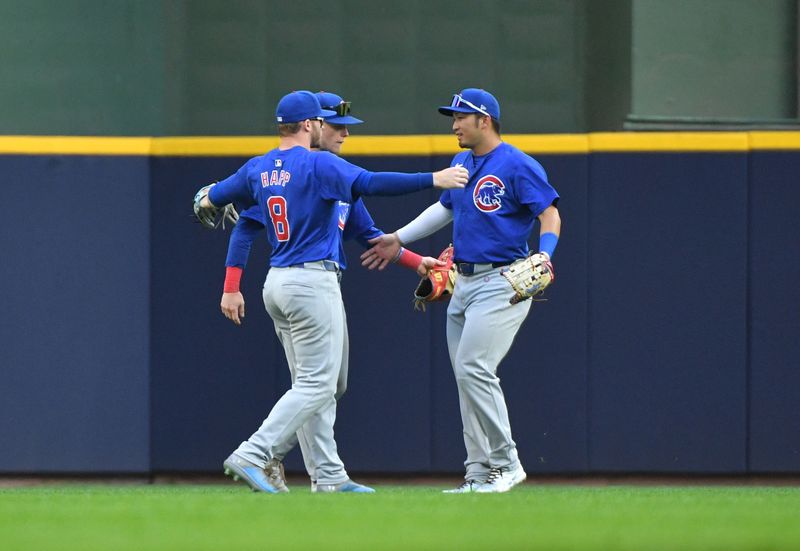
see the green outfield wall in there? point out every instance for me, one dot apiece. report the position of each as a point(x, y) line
point(210, 67)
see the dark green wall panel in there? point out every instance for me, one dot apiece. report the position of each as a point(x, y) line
point(81, 67)
point(718, 59)
point(210, 67)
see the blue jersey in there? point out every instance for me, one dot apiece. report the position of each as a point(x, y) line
point(494, 214)
point(359, 225)
point(298, 193)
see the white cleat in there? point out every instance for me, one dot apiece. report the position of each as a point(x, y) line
point(502, 480)
point(467, 487)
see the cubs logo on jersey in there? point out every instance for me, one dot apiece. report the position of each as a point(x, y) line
point(488, 192)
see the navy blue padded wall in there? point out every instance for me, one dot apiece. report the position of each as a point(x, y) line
point(74, 337)
point(667, 333)
point(652, 255)
point(544, 374)
point(212, 383)
point(774, 444)
point(384, 421)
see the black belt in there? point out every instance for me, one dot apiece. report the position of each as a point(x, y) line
point(327, 265)
point(469, 268)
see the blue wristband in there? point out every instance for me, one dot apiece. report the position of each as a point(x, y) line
point(547, 243)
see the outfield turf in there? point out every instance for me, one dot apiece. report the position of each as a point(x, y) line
point(142, 517)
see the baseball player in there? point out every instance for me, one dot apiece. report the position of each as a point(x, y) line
point(298, 193)
point(354, 222)
point(493, 217)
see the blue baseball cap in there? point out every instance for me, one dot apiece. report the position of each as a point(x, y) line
point(341, 108)
point(473, 100)
point(299, 106)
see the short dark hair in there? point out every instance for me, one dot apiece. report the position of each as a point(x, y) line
point(495, 124)
point(289, 128)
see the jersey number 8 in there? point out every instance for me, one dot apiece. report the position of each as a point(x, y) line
point(277, 213)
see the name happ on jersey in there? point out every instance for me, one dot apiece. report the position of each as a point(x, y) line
point(275, 178)
point(488, 192)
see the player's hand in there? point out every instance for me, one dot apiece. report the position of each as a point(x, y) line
point(453, 177)
point(428, 263)
point(385, 249)
point(232, 305)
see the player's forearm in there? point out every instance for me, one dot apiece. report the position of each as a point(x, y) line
point(550, 223)
point(431, 220)
point(241, 241)
point(408, 259)
point(391, 183)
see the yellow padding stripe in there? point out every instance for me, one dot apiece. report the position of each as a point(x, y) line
point(416, 145)
point(73, 145)
point(223, 146)
point(774, 140)
point(669, 141)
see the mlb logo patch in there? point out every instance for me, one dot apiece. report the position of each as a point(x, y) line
point(278, 163)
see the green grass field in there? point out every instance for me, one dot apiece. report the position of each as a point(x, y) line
point(137, 517)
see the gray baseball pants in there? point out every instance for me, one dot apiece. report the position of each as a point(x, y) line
point(316, 452)
point(306, 307)
point(481, 325)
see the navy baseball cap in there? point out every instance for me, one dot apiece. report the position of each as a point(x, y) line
point(473, 100)
point(341, 108)
point(299, 106)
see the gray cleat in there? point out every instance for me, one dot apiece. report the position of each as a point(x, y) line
point(252, 475)
point(346, 486)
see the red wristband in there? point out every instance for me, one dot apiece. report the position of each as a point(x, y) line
point(232, 277)
point(410, 260)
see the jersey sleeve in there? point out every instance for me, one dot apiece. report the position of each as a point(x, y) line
point(335, 176)
point(241, 241)
point(253, 213)
point(234, 189)
point(533, 189)
point(360, 225)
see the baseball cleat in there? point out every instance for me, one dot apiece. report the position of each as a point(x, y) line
point(467, 487)
point(275, 475)
point(250, 474)
point(502, 480)
point(346, 486)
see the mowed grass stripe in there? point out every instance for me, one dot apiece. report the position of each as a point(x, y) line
point(400, 517)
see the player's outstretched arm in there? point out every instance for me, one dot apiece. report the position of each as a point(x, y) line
point(387, 248)
point(361, 227)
